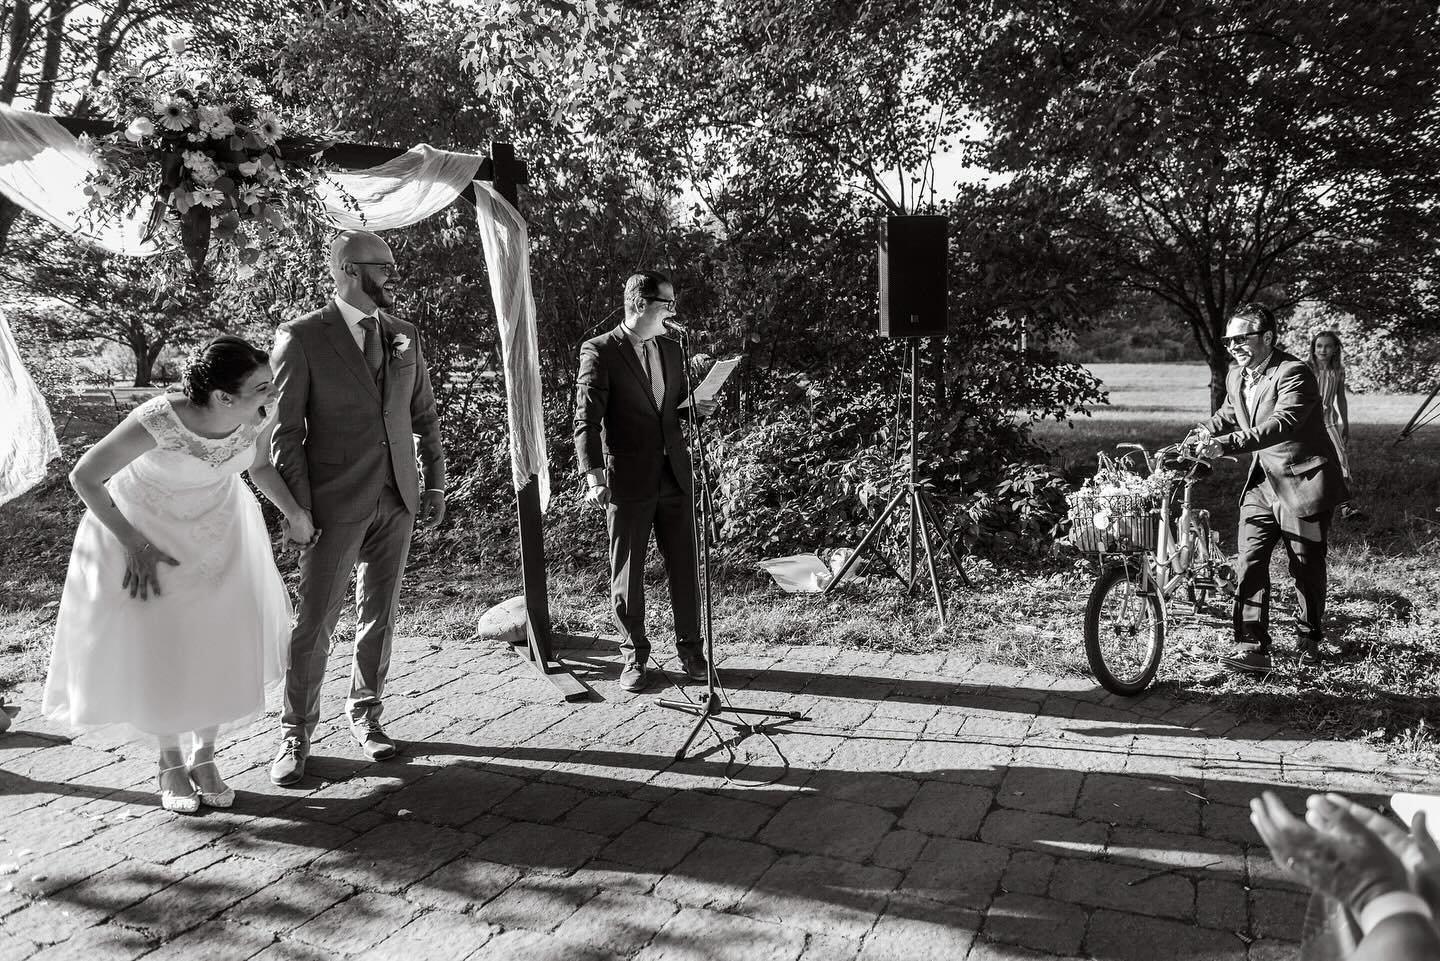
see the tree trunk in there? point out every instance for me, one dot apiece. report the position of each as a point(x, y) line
point(19, 49)
point(1219, 368)
point(144, 353)
point(50, 70)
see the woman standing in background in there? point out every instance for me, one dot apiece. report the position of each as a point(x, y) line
point(1329, 370)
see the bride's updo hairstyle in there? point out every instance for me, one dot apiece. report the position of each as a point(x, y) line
point(222, 364)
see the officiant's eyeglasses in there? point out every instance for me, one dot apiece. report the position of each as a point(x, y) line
point(389, 266)
point(661, 300)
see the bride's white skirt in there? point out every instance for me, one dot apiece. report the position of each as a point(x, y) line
point(201, 654)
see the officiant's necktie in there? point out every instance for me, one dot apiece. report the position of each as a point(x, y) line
point(373, 355)
point(652, 367)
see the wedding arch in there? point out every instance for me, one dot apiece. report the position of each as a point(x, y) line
point(46, 163)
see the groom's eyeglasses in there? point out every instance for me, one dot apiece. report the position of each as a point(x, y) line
point(390, 268)
point(1238, 339)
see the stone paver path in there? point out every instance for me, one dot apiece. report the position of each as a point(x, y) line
point(923, 810)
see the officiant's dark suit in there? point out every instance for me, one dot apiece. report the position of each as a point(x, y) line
point(633, 453)
point(1272, 411)
point(354, 396)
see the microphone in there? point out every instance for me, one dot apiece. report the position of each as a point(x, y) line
point(679, 330)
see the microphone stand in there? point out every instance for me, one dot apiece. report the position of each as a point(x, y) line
point(709, 707)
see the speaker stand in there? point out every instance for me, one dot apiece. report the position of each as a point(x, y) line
point(923, 517)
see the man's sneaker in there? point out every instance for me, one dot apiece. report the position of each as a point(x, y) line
point(372, 738)
point(289, 765)
point(633, 678)
point(1248, 659)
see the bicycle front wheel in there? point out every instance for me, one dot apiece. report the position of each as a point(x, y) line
point(1124, 631)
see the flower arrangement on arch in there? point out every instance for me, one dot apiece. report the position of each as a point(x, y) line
point(213, 156)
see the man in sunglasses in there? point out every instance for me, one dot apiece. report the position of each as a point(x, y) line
point(636, 463)
point(1272, 411)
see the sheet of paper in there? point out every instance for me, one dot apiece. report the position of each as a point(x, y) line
point(714, 380)
point(799, 573)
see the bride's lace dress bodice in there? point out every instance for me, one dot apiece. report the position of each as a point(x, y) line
point(187, 478)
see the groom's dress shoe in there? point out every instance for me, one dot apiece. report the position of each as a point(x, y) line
point(633, 678)
point(372, 738)
point(289, 765)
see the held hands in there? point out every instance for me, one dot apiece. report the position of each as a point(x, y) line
point(432, 509)
point(1332, 850)
point(141, 568)
point(300, 531)
point(706, 408)
point(598, 495)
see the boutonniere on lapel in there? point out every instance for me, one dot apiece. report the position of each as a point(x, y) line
point(398, 345)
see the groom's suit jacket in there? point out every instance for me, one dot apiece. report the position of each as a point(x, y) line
point(1285, 431)
point(339, 438)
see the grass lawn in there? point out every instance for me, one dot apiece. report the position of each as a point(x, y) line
point(1384, 583)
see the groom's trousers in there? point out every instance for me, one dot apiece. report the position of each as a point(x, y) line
point(375, 548)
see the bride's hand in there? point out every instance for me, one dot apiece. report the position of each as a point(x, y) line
point(300, 530)
point(141, 571)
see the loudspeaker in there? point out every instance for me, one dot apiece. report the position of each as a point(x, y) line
point(914, 292)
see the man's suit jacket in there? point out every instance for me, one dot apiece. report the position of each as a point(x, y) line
point(617, 425)
point(338, 438)
point(1286, 433)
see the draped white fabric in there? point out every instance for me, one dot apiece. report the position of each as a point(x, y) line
point(27, 435)
point(507, 260)
point(43, 168)
point(400, 192)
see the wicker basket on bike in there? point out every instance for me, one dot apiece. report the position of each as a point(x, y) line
point(1118, 510)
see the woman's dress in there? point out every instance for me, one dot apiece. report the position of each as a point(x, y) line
point(202, 652)
point(1331, 381)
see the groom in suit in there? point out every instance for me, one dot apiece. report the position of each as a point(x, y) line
point(1272, 410)
point(354, 396)
point(636, 463)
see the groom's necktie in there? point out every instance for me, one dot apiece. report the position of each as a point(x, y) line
point(373, 355)
point(652, 367)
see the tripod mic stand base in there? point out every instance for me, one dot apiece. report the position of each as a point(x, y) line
point(709, 708)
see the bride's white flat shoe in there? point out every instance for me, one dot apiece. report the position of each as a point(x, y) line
point(179, 803)
point(214, 799)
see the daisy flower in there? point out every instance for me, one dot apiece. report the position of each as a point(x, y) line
point(209, 197)
point(174, 113)
point(267, 127)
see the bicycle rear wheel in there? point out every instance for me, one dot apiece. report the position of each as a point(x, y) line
point(1124, 631)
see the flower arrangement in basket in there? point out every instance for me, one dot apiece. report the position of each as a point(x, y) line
point(1118, 509)
point(201, 144)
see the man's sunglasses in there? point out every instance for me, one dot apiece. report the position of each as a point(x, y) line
point(389, 266)
point(1238, 339)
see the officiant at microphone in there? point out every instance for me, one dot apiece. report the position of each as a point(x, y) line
point(636, 462)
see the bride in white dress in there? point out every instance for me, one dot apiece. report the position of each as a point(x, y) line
point(174, 618)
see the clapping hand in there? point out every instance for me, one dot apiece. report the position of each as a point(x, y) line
point(141, 569)
point(1331, 850)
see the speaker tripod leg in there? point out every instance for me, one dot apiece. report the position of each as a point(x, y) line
point(865, 541)
point(955, 556)
point(922, 514)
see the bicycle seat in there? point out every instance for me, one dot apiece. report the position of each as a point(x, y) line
point(1184, 462)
